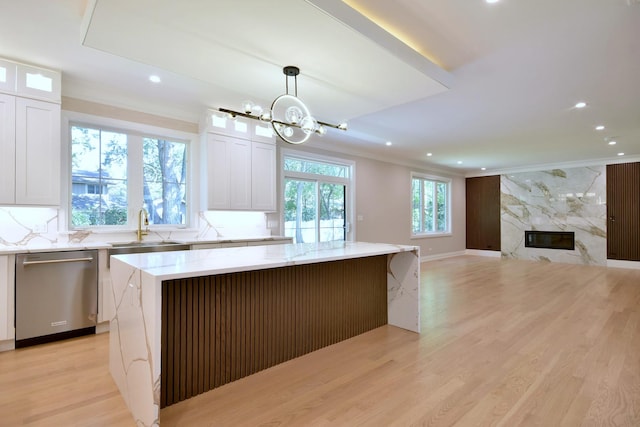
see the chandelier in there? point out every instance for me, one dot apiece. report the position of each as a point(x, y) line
point(289, 116)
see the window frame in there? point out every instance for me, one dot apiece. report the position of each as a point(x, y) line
point(448, 226)
point(137, 131)
point(349, 183)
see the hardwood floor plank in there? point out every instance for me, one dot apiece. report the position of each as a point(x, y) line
point(504, 343)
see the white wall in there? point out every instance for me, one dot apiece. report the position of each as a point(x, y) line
point(383, 200)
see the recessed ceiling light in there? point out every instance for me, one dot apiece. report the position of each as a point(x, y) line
point(154, 79)
point(581, 104)
point(612, 142)
point(429, 154)
point(459, 162)
point(483, 169)
point(492, 1)
point(599, 127)
point(620, 154)
point(388, 143)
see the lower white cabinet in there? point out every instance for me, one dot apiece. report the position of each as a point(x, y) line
point(106, 305)
point(7, 297)
point(243, 243)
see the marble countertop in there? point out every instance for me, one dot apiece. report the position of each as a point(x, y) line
point(181, 264)
point(54, 247)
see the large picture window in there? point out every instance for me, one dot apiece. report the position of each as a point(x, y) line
point(115, 173)
point(430, 210)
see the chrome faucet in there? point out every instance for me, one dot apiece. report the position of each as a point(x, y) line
point(143, 219)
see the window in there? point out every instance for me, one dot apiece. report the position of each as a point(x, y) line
point(430, 210)
point(112, 170)
point(316, 192)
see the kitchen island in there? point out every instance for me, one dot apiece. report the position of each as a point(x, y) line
point(189, 321)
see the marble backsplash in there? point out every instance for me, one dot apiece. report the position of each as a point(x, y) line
point(572, 199)
point(23, 226)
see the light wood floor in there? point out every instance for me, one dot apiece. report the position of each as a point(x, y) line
point(504, 343)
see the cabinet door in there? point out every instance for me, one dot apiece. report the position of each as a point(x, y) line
point(37, 152)
point(217, 172)
point(7, 269)
point(263, 176)
point(8, 149)
point(240, 173)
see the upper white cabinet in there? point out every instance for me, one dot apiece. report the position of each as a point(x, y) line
point(29, 81)
point(241, 164)
point(29, 135)
point(263, 176)
point(37, 152)
point(8, 149)
point(223, 124)
point(229, 172)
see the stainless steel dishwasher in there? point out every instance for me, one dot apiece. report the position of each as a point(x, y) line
point(56, 296)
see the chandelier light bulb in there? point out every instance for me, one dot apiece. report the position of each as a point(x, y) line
point(247, 106)
point(342, 126)
point(321, 130)
point(288, 132)
point(293, 115)
point(266, 116)
point(308, 124)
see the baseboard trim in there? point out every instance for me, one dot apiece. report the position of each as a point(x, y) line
point(477, 252)
point(635, 265)
point(102, 327)
point(7, 345)
point(441, 256)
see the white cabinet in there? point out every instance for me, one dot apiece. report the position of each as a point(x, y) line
point(106, 303)
point(30, 139)
point(37, 152)
point(8, 149)
point(7, 299)
point(229, 172)
point(29, 81)
point(241, 174)
point(263, 176)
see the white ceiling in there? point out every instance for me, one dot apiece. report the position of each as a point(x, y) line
point(500, 96)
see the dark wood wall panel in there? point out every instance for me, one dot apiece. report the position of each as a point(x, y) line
point(483, 213)
point(217, 329)
point(623, 211)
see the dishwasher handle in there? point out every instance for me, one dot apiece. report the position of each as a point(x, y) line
point(57, 261)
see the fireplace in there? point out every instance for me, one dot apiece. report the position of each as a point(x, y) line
point(550, 239)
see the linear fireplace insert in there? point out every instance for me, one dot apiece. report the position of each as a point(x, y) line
point(550, 239)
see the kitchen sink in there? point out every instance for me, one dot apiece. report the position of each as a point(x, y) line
point(143, 247)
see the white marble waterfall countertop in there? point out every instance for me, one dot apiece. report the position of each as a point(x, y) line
point(181, 264)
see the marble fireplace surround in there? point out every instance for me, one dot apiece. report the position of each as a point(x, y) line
point(572, 199)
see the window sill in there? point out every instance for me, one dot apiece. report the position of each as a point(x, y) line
point(430, 235)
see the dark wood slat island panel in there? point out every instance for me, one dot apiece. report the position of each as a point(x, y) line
point(217, 329)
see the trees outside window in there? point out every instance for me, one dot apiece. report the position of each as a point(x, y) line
point(315, 199)
point(113, 170)
point(430, 210)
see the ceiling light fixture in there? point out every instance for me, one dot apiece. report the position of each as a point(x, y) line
point(581, 104)
point(600, 127)
point(483, 169)
point(289, 116)
point(459, 162)
point(620, 154)
point(612, 142)
point(154, 79)
point(492, 1)
point(388, 143)
point(429, 154)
